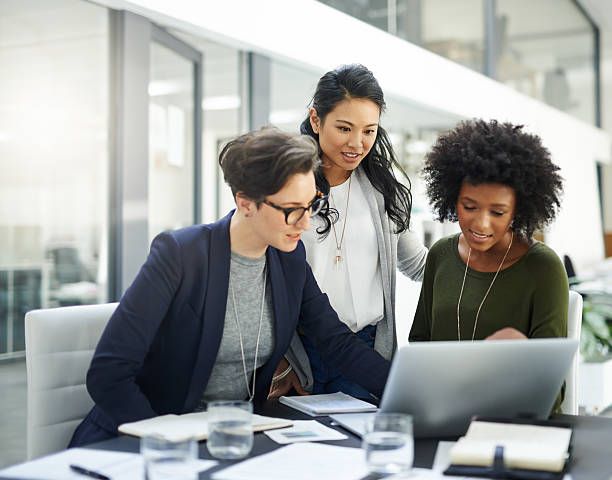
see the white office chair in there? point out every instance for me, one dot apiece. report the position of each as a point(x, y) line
point(59, 346)
point(574, 327)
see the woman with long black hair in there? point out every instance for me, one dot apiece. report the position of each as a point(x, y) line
point(356, 245)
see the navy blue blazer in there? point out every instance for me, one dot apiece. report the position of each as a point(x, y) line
point(156, 354)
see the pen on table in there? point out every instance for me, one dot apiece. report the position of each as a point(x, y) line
point(88, 473)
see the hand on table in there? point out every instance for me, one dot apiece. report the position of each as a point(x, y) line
point(507, 333)
point(283, 381)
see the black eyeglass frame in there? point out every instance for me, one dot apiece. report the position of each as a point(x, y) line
point(319, 197)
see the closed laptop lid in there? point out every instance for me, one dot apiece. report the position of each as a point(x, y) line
point(444, 384)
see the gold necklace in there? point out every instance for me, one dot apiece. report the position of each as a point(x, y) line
point(338, 257)
point(467, 264)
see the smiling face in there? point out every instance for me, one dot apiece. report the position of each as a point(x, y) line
point(268, 224)
point(485, 212)
point(346, 136)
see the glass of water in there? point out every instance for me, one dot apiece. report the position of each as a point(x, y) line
point(388, 443)
point(230, 430)
point(169, 459)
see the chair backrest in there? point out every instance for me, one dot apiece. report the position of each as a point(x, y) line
point(59, 347)
point(574, 327)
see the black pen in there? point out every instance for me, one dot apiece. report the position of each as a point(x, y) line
point(89, 473)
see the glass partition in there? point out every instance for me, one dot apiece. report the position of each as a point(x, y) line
point(455, 29)
point(54, 156)
point(171, 153)
point(374, 12)
point(222, 118)
point(546, 49)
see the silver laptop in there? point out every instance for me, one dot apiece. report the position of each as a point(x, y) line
point(444, 384)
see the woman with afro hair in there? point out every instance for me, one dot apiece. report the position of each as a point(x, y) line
point(492, 280)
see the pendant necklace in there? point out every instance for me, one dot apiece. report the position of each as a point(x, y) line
point(467, 264)
point(250, 391)
point(338, 257)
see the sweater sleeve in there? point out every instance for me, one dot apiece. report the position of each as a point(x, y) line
point(550, 297)
point(411, 255)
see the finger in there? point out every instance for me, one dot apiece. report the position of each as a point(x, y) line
point(298, 387)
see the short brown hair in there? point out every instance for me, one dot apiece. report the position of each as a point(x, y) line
point(259, 163)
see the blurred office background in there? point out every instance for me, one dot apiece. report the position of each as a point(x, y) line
point(112, 113)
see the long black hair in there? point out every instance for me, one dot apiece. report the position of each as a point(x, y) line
point(356, 81)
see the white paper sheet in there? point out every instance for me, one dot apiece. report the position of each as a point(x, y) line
point(116, 465)
point(301, 461)
point(305, 431)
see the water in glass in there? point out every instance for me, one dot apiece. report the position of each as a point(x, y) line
point(230, 431)
point(388, 444)
point(169, 460)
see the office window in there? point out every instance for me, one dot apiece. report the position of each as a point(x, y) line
point(171, 159)
point(291, 90)
point(223, 117)
point(455, 30)
point(54, 155)
point(374, 12)
point(546, 50)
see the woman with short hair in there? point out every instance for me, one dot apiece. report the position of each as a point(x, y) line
point(214, 307)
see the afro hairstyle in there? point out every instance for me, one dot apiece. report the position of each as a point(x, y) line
point(478, 152)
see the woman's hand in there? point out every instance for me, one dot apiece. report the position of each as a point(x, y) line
point(284, 380)
point(507, 333)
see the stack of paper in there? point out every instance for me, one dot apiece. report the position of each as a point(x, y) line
point(528, 447)
point(325, 404)
point(190, 425)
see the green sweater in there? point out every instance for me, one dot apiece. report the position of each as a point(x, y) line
point(531, 295)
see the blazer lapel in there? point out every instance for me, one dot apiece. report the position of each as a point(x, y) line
point(283, 327)
point(213, 313)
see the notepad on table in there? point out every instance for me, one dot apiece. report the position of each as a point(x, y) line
point(525, 447)
point(327, 403)
point(191, 425)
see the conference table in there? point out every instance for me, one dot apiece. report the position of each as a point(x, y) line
point(591, 454)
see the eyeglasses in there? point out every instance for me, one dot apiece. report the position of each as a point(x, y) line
point(294, 214)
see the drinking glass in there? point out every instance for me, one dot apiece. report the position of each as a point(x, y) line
point(388, 443)
point(230, 430)
point(166, 459)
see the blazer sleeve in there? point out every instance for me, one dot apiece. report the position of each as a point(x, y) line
point(127, 339)
point(335, 341)
point(411, 255)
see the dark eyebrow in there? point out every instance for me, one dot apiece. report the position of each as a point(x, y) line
point(468, 199)
point(352, 125)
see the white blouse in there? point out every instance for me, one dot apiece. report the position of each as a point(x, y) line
point(354, 284)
